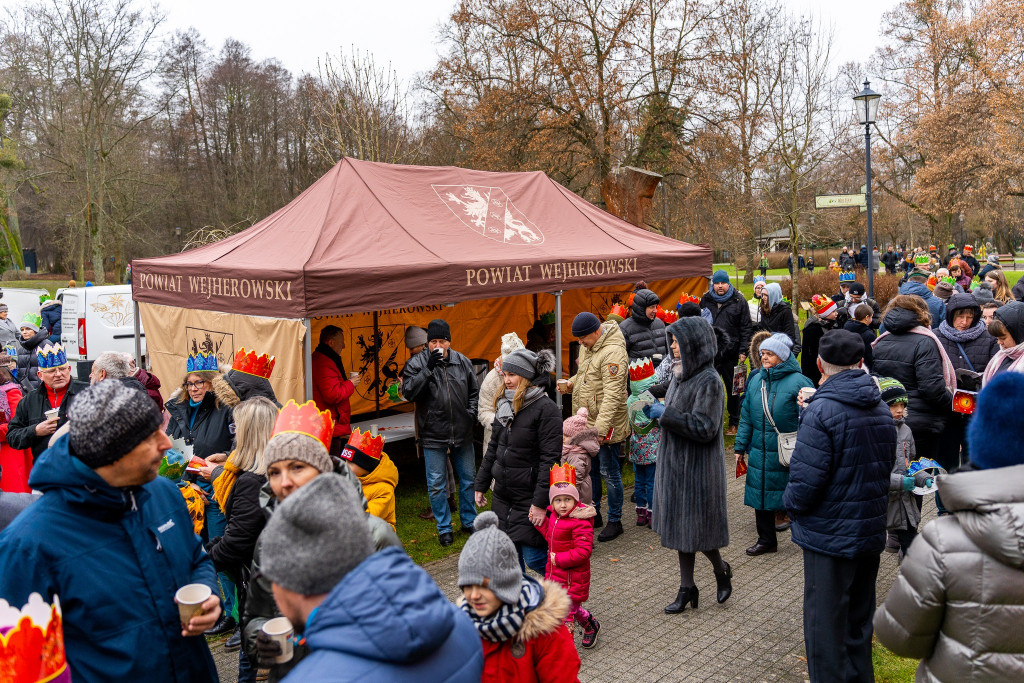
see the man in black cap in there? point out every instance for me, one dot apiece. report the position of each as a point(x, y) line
point(857, 296)
point(442, 384)
point(837, 497)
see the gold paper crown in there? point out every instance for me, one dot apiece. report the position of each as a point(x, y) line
point(563, 474)
point(251, 364)
point(305, 419)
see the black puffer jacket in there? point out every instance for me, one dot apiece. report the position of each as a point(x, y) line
point(781, 320)
point(733, 317)
point(21, 431)
point(519, 459)
point(644, 338)
point(245, 520)
point(980, 350)
point(28, 361)
point(916, 361)
point(211, 431)
point(445, 398)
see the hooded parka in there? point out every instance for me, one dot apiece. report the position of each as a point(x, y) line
point(690, 511)
point(766, 476)
point(976, 352)
point(645, 338)
point(28, 361)
point(958, 601)
point(114, 557)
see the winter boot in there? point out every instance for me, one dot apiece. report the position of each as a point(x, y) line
point(598, 521)
point(590, 631)
point(686, 595)
point(724, 581)
point(892, 544)
point(641, 517)
point(611, 530)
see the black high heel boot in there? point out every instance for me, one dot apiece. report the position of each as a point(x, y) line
point(685, 595)
point(724, 581)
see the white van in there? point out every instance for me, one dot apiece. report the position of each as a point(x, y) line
point(98, 319)
point(21, 301)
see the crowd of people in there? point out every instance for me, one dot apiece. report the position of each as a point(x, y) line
point(121, 500)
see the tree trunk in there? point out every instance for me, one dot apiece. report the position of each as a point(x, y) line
point(628, 192)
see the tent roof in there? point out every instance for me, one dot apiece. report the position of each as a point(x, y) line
point(370, 236)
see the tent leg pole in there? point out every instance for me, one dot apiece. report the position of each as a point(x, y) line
point(558, 343)
point(376, 366)
point(138, 335)
point(307, 361)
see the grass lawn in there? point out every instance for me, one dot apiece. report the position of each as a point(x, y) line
point(50, 285)
point(889, 668)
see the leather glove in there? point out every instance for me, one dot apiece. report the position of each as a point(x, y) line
point(654, 411)
point(267, 649)
point(908, 483)
point(923, 479)
point(434, 358)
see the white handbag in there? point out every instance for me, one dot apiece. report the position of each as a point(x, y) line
point(787, 440)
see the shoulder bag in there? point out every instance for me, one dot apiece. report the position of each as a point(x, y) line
point(787, 440)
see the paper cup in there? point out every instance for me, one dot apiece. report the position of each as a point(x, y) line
point(280, 630)
point(806, 393)
point(52, 413)
point(189, 599)
point(353, 376)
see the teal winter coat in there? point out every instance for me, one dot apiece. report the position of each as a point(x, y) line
point(766, 478)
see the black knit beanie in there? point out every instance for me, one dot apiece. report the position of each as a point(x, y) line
point(438, 329)
point(108, 420)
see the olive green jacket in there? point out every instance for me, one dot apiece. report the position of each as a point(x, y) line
point(601, 384)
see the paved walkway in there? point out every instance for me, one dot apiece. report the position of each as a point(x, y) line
point(756, 636)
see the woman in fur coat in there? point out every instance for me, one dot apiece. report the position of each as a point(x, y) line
point(689, 487)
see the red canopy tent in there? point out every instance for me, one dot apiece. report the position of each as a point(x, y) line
point(370, 236)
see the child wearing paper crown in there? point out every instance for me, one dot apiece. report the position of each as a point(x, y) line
point(904, 513)
point(643, 442)
point(365, 456)
point(569, 530)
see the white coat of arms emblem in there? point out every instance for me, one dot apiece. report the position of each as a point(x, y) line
point(489, 212)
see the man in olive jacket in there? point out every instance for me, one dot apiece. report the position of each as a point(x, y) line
point(601, 385)
point(442, 384)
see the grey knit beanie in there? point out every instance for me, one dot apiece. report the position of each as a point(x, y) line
point(522, 362)
point(108, 420)
point(316, 537)
point(415, 336)
point(780, 344)
point(489, 559)
point(301, 447)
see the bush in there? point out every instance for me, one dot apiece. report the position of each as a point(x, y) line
point(826, 282)
point(777, 259)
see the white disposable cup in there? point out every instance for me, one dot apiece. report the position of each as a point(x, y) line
point(189, 599)
point(52, 413)
point(353, 376)
point(563, 382)
point(806, 393)
point(280, 630)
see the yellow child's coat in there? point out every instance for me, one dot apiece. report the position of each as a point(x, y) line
point(379, 489)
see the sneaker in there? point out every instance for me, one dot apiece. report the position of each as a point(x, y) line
point(235, 641)
point(590, 632)
point(612, 530)
point(446, 539)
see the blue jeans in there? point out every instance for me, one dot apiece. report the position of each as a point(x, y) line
point(464, 465)
point(534, 558)
point(644, 488)
point(246, 671)
point(608, 457)
point(215, 523)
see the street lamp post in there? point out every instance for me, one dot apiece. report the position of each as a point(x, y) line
point(866, 102)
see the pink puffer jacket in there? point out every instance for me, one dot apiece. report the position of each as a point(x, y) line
point(571, 539)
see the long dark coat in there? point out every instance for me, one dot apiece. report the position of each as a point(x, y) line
point(689, 486)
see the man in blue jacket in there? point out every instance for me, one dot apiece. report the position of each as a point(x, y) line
point(114, 543)
point(915, 284)
point(837, 497)
point(365, 616)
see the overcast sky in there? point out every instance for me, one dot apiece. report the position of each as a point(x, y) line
point(404, 32)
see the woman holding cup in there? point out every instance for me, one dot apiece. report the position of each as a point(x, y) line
point(780, 381)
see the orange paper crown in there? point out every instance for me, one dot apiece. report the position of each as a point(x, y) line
point(251, 364)
point(366, 442)
point(667, 317)
point(563, 474)
point(305, 419)
point(32, 642)
point(640, 369)
point(685, 298)
point(619, 310)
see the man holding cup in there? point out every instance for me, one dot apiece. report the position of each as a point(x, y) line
point(35, 420)
point(332, 385)
point(114, 543)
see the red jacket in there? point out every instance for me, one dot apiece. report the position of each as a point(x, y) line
point(152, 384)
point(571, 539)
point(331, 391)
point(542, 651)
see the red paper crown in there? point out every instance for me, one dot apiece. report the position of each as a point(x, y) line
point(251, 364)
point(685, 298)
point(366, 442)
point(640, 369)
point(667, 317)
point(563, 474)
point(305, 419)
point(619, 310)
point(821, 304)
point(32, 642)
point(968, 247)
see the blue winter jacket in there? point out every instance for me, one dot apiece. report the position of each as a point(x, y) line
point(50, 313)
point(388, 621)
point(936, 306)
point(839, 475)
point(114, 558)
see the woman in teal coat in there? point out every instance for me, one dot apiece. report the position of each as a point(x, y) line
point(755, 438)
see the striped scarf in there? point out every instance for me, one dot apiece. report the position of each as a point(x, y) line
point(505, 623)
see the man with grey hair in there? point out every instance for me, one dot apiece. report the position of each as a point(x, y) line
point(837, 498)
point(109, 365)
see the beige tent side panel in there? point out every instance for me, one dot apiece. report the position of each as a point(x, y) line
point(173, 333)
